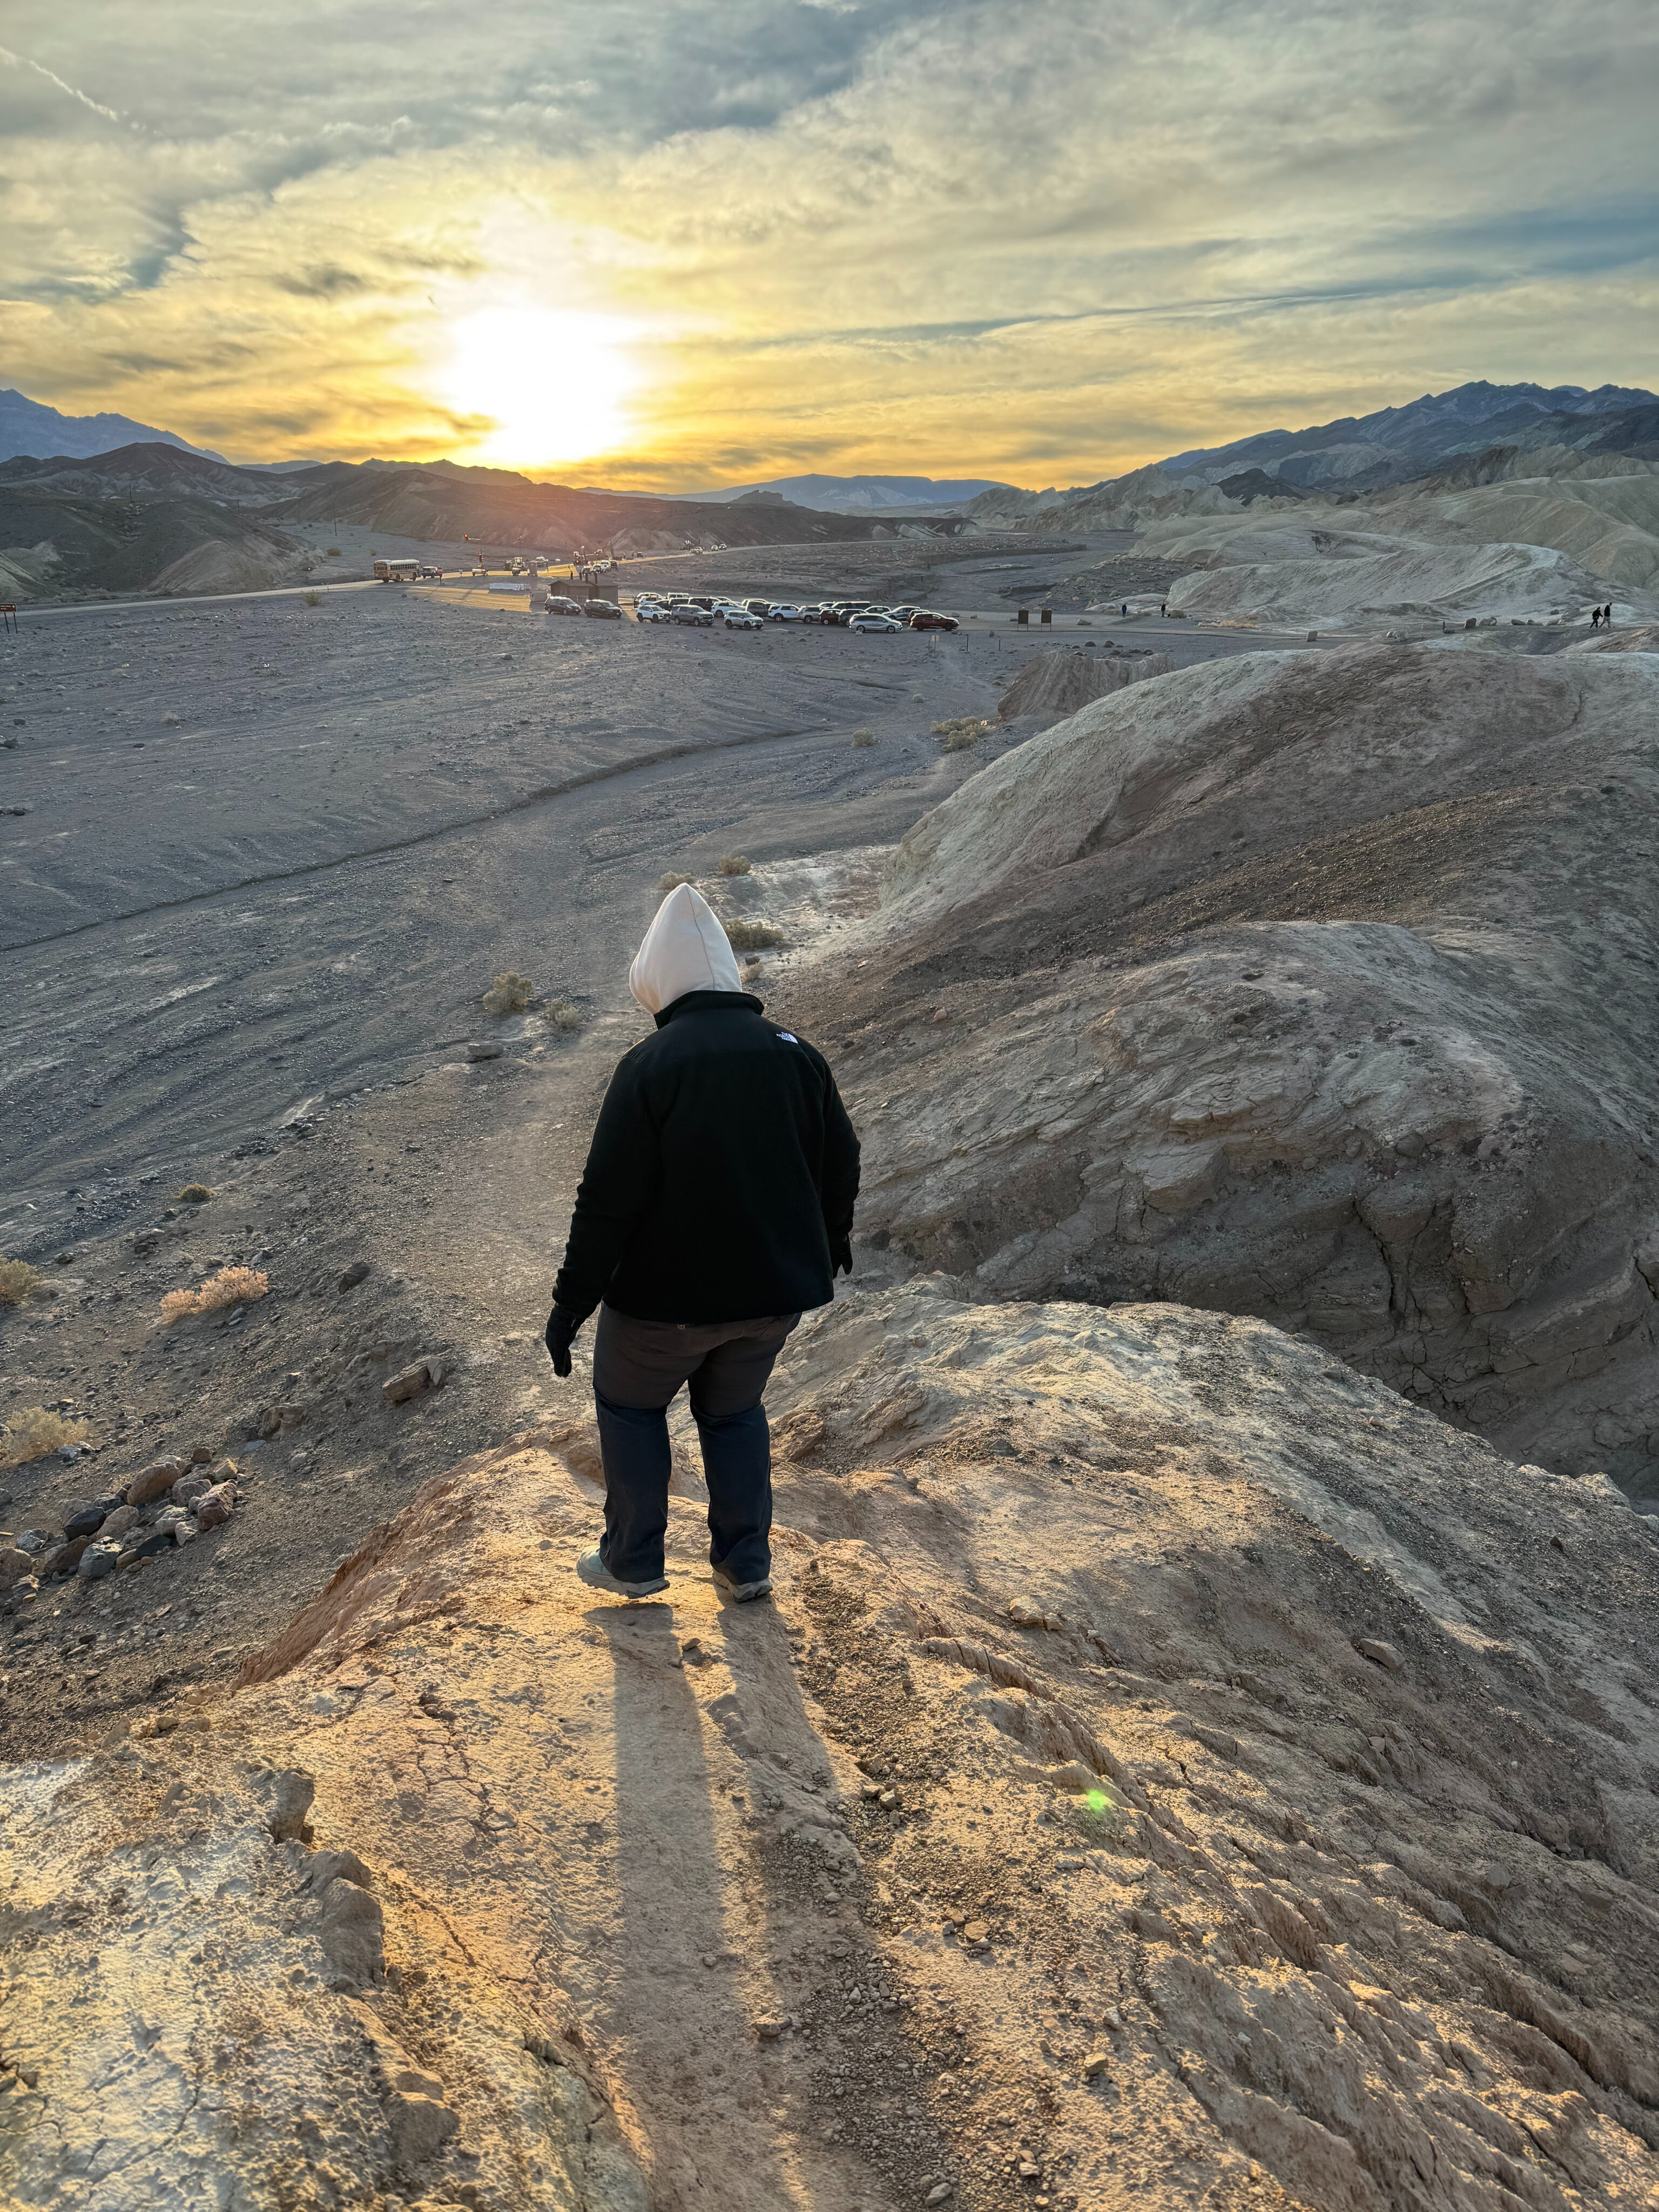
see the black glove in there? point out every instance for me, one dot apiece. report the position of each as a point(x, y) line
point(562, 1327)
point(841, 1256)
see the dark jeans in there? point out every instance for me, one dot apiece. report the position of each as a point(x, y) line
point(638, 1368)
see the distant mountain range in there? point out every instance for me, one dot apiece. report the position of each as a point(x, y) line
point(1399, 445)
point(855, 495)
point(153, 517)
point(27, 427)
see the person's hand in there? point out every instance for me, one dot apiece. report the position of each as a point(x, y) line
point(562, 1328)
point(841, 1256)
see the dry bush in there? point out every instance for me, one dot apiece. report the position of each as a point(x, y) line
point(733, 864)
point(508, 994)
point(562, 1015)
point(230, 1286)
point(18, 1281)
point(861, 738)
point(670, 882)
point(750, 936)
point(962, 731)
point(313, 599)
point(333, 553)
point(33, 1431)
point(193, 1193)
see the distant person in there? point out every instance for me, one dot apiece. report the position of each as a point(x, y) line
point(1164, 610)
point(1606, 615)
point(1124, 609)
point(715, 1207)
point(1596, 617)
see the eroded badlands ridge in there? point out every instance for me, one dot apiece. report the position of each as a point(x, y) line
point(1175, 1771)
point(1316, 987)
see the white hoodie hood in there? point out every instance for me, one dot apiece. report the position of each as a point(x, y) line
point(684, 949)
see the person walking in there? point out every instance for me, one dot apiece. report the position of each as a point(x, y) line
point(716, 1206)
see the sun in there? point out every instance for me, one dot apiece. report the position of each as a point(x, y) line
point(553, 383)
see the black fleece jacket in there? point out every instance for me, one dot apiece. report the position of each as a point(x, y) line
point(720, 1182)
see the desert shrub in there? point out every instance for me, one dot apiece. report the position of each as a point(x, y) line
point(861, 738)
point(230, 1286)
point(18, 1281)
point(670, 882)
point(333, 553)
point(508, 994)
point(733, 864)
point(750, 936)
point(562, 1015)
point(962, 731)
point(193, 1193)
point(33, 1431)
point(313, 599)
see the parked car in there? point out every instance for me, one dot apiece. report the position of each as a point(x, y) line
point(606, 610)
point(558, 604)
point(740, 618)
point(926, 620)
point(761, 607)
point(691, 616)
point(650, 611)
point(881, 625)
point(791, 614)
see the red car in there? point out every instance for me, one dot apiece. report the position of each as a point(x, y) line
point(926, 621)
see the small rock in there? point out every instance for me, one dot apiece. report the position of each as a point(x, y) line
point(62, 1558)
point(154, 1481)
point(888, 1801)
point(150, 1544)
point(189, 1488)
point(215, 1506)
point(85, 1521)
point(976, 1931)
point(769, 2030)
point(99, 1559)
point(1112, 2018)
point(117, 1523)
point(938, 2192)
point(484, 1048)
point(200, 1454)
point(34, 1541)
point(1098, 2062)
point(1381, 1654)
point(356, 1273)
point(410, 1382)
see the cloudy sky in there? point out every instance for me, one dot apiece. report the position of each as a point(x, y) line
point(678, 245)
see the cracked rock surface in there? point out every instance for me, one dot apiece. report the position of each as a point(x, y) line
point(1320, 988)
point(1173, 1771)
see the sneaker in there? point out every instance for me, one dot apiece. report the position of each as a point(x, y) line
point(741, 1593)
point(595, 1573)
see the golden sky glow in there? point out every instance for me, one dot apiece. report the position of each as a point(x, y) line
point(669, 245)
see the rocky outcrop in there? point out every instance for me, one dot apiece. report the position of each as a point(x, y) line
point(1168, 1755)
point(1319, 987)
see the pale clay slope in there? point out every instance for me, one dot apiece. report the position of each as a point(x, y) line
point(1097, 1059)
point(1523, 550)
point(1255, 1919)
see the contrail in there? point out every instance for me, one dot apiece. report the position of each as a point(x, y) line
point(22, 61)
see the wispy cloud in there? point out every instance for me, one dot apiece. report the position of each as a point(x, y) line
point(953, 239)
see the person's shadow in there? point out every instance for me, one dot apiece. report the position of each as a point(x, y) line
point(705, 2113)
